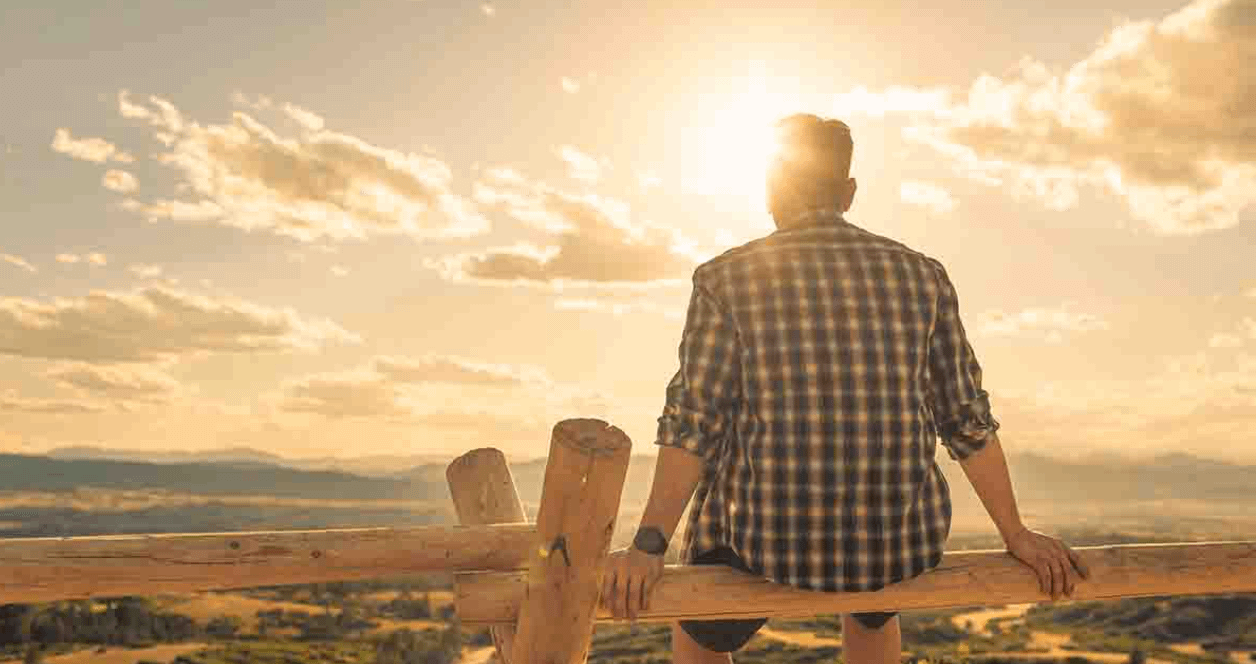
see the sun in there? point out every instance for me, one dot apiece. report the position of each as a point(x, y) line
point(728, 155)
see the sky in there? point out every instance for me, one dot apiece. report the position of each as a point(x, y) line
point(422, 226)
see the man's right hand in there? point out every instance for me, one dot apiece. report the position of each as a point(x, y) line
point(1056, 565)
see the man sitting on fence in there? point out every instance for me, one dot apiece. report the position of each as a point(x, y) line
point(819, 365)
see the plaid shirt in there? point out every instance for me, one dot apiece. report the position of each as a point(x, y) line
point(818, 367)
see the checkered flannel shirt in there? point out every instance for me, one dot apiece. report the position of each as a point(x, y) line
point(819, 365)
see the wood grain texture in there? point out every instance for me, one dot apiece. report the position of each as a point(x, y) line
point(54, 568)
point(484, 493)
point(584, 478)
point(963, 579)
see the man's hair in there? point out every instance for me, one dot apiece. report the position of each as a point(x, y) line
point(808, 142)
point(812, 160)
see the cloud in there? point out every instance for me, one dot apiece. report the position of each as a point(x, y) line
point(1249, 327)
point(309, 120)
point(11, 402)
point(391, 387)
point(88, 149)
point(457, 370)
point(154, 324)
point(570, 85)
point(927, 195)
point(1195, 403)
point(324, 185)
point(345, 396)
point(339, 270)
point(145, 271)
point(1224, 340)
point(488, 9)
point(596, 242)
point(94, 258)
point(1157, 115)
point(124, 383)
point(18, 261)
point(120, 181)
point(421, 392)
point(580, 166)
point(1050, 324)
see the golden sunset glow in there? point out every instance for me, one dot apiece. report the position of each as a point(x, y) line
point(418, 225)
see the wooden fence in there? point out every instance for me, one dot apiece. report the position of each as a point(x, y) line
point(537, 584)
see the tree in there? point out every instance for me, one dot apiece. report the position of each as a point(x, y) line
point(1137, 657)
point(34, 654)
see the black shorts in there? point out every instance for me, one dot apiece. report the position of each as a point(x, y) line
point(730, 635)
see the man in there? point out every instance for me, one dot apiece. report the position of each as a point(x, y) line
point(819, 365)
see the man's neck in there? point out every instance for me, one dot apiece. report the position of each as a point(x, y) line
point(810, 217)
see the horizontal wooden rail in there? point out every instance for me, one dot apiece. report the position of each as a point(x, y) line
point(49, 569)
point(963, 579)
point(54, 568)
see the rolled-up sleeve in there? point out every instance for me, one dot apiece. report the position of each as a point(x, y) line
point(702, 395)
point(961, 408)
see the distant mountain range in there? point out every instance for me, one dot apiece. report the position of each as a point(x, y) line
point(378, 465)
point(1036, 477)
point(1171, 496)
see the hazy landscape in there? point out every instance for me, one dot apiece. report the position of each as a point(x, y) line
point(1170, 498)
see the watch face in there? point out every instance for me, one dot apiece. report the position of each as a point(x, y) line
point(650, 540)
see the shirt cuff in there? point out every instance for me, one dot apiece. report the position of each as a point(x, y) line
point(968, 433)
point(675, 432)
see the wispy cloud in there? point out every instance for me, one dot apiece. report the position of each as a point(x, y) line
point(88, 149)
point(308, 119)
point(488, 9)
point(581, 166)
point(11, 402)
point(120, 181)
point(154, 324)
point(1152, 115)
point(570, 85)
point(1049, 324)
point(18, 261)
point(145, 271)
point(1225, 340)
point(390, 387)
point(133, 383)
point(933, 197)
point(596, 241)
point(345, 395)
point(322, 185)
point(457, 370)
point(95, 258)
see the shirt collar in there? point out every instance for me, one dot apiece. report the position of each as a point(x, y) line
point(821, 216)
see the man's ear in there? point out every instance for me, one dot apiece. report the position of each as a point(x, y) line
point(851, 186)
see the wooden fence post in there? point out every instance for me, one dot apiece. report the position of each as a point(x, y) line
point(484, 494)
point(584, 479)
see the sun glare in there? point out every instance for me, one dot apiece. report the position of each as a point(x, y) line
point(728, 155)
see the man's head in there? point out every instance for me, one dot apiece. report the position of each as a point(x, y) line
point(811, 167)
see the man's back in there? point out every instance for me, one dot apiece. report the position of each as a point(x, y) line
point(836, 355)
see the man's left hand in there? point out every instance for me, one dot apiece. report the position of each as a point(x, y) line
point(631, 575)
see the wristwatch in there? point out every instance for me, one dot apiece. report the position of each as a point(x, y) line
point(650, 540)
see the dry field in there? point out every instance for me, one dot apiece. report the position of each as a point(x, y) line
point(89, 499)
point(161, 653)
